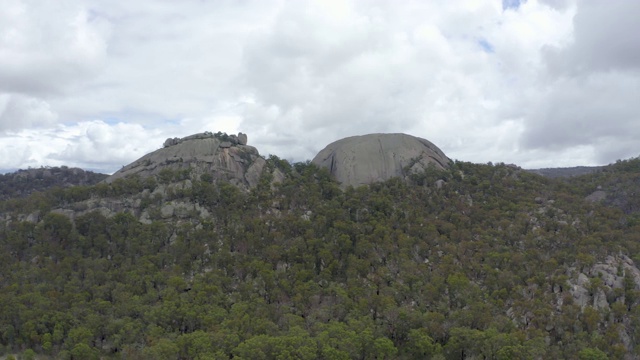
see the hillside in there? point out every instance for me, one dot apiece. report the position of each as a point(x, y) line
point(474, 261)
point(24, 182)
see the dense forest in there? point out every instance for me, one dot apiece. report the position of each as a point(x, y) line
point(474, 262)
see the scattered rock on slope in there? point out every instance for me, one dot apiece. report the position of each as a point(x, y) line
point(224, 157)
point(365, 159)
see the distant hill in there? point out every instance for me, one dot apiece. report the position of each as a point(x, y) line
point(566, 171)
point(23, 183)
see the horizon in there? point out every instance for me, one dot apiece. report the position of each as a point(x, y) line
point(539, 83)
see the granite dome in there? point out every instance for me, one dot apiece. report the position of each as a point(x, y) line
point(365, 159)
point(224, 157)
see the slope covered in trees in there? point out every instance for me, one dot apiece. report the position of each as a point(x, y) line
point(481, 265)
point(24, 182)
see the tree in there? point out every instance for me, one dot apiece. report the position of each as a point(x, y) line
point(592, 354)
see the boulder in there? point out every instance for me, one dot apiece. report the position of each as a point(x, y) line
point(366, 159)
point(242, 139)
point(171, 142)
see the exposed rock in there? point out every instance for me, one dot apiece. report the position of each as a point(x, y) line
point(171, 142)
point(242, 139)
point(167, 211)
point(278, 176)
point(610, 275)
point(580, 292)
point(440, 183)
point(220, 155)
point(600, 300)
point(33, 217)
point(366, 159)
point(596, 196)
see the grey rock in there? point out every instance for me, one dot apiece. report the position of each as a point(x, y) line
point(440, 183)
point(242, 139)
point(33, 217)
point(278, 177)
point(171, 142)
point(600, 300)
point(360, 160)
point(611, 273)
point(167, 211)
point(596, 196)
point(203, 153)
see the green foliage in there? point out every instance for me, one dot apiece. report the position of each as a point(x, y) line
point(26, 182)
point(28, 354)
point(478, 268)
point(592, 354)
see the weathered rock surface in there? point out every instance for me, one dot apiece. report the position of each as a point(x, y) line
point(608, 275)
point(224, 157)
point(366, 159)
point(596, 196)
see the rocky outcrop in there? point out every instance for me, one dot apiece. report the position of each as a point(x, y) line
point(366, 159)
point(224, 157)
point(596, 285)
point(596, 196)
point(228, 140)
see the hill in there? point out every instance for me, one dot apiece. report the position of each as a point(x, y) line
point(567, 171)
point(23, 183)
point(465, 262)
point(360, 160)
point(217, 156)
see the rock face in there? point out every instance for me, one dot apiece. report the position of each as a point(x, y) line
point(224, 157)
point(365, 159)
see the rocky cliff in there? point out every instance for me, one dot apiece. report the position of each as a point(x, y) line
point(365, 159)
point(221, 156)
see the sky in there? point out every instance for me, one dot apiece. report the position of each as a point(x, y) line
point(97, 84)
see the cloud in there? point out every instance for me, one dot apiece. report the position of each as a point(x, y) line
point(97, 83)
point(591, 86)
point(91, 144)
point(604, 39)
point(19, 111)
point(324, 74)
point(49, 50)
point(578, 111)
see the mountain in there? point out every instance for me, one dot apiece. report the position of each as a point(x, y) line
point(463, 261)
point(360, 160)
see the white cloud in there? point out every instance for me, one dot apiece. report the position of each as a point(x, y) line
point(98, 83)
point(19, 111)
point(48, 47)
point(605, 39)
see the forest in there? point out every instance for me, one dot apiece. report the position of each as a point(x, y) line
point(474, 262)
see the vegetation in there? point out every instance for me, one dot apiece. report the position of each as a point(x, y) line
point(24, 182)
point(480, 267)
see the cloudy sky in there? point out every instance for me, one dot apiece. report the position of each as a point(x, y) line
point(99, 83)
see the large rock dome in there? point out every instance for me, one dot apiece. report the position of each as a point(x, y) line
point(366, 159)
point(224, 157)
